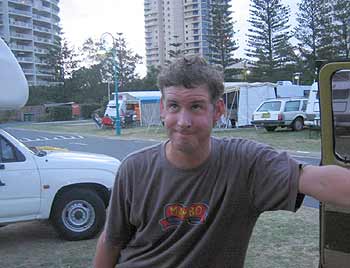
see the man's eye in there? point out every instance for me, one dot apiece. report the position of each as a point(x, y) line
point(196, 107)
point(173, 106)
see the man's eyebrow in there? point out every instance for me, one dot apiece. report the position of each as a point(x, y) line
point(198, 101)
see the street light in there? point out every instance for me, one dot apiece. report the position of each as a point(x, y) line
point(296, 76)
point(114, 52)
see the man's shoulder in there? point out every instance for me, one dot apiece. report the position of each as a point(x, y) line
point(144, 154)
point(236, 142)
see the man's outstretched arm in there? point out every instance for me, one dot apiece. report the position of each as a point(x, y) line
point(106, 255)
point(329, 184)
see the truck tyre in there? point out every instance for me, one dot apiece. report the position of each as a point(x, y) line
point(298, 124)
point(78, 214)
point(269, 129)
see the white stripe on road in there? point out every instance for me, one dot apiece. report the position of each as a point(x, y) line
point(60, 137)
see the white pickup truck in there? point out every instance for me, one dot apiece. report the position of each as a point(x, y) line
point(69, 188)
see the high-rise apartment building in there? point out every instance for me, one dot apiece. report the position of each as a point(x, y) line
point(31, 28)
point(172, 26)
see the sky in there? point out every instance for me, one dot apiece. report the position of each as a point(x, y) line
point(81, 19)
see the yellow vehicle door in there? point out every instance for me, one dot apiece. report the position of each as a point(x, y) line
point(334, 85)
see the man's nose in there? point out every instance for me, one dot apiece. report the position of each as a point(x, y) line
point(184, 119)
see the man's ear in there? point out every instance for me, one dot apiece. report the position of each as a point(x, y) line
point(162, 108)
point(219, 107)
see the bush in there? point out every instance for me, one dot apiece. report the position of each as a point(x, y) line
point(60, 113)
point(86, 110)
point(6, 116)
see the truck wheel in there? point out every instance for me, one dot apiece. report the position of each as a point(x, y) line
point(78, 214)
point(298, 124)
point(270, 128)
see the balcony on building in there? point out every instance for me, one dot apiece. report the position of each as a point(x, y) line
point(55, 2)
point(41, 29)
point(25, 59)
point(43, 40)
point(20, 24)
point(21, 36)
point(41, 51)
point(41, 18)
point(17, 47)
point(22, 2)
point(28, 71)
point(15, 12)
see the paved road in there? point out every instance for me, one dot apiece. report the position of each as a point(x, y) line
point(112, 146)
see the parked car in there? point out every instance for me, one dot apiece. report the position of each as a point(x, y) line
point(69, 188)
point(281, 112)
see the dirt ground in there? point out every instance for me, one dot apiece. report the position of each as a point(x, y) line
point(280, 239)
point(36, 244)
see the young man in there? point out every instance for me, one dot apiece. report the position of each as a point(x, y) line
point(193, 200)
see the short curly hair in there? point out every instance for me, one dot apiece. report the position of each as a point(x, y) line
point(191, 72)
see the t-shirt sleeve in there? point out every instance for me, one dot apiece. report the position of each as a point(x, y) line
point(273, 179)
point(118, 228)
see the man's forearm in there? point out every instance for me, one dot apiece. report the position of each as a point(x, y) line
point(329, 184)
point(106, 256)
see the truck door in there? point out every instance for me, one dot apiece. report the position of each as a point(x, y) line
point(334, 83)
point(19, 184)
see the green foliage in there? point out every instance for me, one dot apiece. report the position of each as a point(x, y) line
point(62, 59)
point(6, 116)
point(42, 95)
point(323, 32)
point(149, 82)
point(308, 34)
point(119, 56)
point(221, 35)
point(60, 113)
point(342, 28)
point(87, 109)
point(268, 39)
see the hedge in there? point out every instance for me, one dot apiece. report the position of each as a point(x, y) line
point(86, 110)
point(60, 113)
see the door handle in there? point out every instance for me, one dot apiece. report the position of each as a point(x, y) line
point(2, 184)
point(2, 166)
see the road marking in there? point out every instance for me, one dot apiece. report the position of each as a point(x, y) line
point(59, 137)
point(78, 143)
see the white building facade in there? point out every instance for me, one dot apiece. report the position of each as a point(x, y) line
point(31, 29)
point(174, 26)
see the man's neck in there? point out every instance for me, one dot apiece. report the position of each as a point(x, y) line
point(186, 160)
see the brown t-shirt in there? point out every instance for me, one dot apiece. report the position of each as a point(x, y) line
point(163, 216)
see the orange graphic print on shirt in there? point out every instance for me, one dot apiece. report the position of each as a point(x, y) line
point(175, 214)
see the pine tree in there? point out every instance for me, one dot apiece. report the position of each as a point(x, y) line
point(62, 60)
point(308, 34)
point(221, 35)
point(268, 39)
point(341, 28)
point(326, 43)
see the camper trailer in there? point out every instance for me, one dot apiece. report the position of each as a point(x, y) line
point(313, 107)
point(141, 107)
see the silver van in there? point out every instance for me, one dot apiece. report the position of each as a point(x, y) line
point(281, 112)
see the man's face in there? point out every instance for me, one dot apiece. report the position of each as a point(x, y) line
point(189, 116)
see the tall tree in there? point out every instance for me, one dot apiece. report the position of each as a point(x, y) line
point(62, 60)
point(268, 39)
point(221, 35)
point(326, 45)
point(308, 34)
point(341, 27)
point(149, 82)
point(98, 53)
